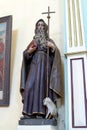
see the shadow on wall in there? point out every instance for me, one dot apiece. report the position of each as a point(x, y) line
point(13, 52)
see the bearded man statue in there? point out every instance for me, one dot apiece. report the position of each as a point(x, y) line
point(34, 73)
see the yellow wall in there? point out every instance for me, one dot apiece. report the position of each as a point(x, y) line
point(25, 14)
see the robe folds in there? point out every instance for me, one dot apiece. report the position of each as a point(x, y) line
point(34, 79)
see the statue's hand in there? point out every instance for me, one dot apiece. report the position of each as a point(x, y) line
point(31, 49)
point(51, 45)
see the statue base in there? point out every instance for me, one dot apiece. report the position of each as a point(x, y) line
point(40, 124)
point(41, 121)
point(37, 127)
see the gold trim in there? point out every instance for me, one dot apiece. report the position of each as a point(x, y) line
point(33, 113)
point(61, 95)
point(75, 53)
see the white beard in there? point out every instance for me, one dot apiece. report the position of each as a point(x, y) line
point(40, 38)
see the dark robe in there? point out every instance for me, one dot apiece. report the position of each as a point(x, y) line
point(34, 79)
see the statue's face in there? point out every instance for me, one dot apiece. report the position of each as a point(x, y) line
point(40, 26)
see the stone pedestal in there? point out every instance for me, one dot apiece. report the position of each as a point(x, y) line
point(37, 124)
point(40, 121)
point(37, 127)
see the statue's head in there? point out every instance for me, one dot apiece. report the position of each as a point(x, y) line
point(41, 25)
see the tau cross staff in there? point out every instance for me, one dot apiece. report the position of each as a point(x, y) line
point(48, 47)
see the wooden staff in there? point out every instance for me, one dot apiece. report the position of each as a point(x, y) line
point(48, 17)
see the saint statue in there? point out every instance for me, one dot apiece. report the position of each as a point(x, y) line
point(34, 75)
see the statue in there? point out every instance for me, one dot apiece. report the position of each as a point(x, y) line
point(37, 70)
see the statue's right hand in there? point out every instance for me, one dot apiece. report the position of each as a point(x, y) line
point(31, 49)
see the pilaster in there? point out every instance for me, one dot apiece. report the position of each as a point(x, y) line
point(75, 66)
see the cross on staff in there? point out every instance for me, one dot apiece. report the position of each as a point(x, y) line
point(48, 17)
point(48, 47)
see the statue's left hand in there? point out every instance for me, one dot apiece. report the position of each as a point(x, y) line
point(51, 45)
